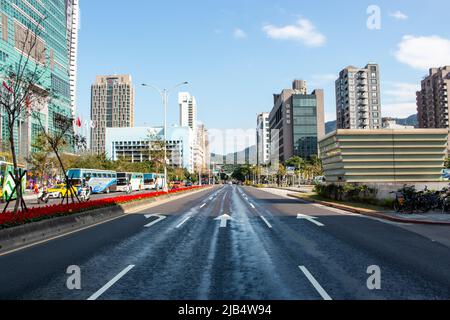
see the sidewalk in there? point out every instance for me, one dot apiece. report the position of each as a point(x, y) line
point(425, 218)
point(301, 189)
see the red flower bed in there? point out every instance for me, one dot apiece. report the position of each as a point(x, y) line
point(10, 219)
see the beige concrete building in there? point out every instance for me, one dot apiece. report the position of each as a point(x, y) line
point(112, 106)
point(432, 99)
point(358, 104)
point(384, 156)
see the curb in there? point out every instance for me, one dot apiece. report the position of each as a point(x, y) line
point(30, 234)
point(371, 213)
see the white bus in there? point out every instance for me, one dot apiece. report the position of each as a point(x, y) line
point(133, 179)
point(99, 181)
point(153, 181)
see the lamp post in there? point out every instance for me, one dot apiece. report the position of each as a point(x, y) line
point(164, 93)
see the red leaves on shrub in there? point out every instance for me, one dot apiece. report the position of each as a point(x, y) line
point(10, 219)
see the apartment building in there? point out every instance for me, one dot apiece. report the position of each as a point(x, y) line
point(358, 98)
point(112, 106)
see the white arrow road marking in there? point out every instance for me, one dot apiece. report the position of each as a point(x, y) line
point(160, 218)
point(266, 222)
point(223, 220)
point(316, 284)
point(96, 295)
point(203, 205)
point(183, 222)
point(310, 219)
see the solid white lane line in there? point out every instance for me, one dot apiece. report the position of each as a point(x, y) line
point(183, 222)
point(160, 218)
point(96, 295)
point(203, 205)
point(316, 284)
point(266, 222)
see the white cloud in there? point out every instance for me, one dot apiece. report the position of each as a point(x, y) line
point(399, 110)
point(401, 92)
point(304, 31)
point(330, 116)
point(424, 52)
point(239, 34)
point(400, 100)
point(399, 15)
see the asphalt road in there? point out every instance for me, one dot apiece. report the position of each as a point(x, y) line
point(265, 252)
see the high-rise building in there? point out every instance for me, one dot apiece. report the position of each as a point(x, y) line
point(296, 122)
point(44, 22)
point(72, 17)
point(432, 99)
point(358, 98)
point(188, 110)
point(263, 138)
point(201, 149)
point(112, 106)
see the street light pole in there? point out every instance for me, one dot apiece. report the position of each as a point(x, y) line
point(165, 97)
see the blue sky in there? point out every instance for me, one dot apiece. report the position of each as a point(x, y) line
point(236, 54)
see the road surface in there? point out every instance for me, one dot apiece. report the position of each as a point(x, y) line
point(235, 243)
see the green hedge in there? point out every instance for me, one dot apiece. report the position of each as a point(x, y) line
point(348, 192)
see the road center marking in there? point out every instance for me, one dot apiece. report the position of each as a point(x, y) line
point(316, 284)
point(96, 295)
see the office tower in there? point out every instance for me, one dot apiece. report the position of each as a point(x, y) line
point(296, 122)
point(188, 110)
point(50, 37)
point(263, 138)
point(201, 157)
point(432, 99)
point(112, 106)
point(72, 17)
point(358, 99)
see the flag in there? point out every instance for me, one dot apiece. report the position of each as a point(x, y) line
point(93, 124)
point(7, 87)
point(78, 123)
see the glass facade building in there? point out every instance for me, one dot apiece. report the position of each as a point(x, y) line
point(52, 54)
point(305, 125)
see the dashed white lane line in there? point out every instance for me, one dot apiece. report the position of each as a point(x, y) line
point(183, 222)
point(266, 222)
point(159, 216)
point(252, 205)
point(202, 206)
point(316, 284)
point(96, 295)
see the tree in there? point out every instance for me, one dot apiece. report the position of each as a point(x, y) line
point(58, 140)
point(156, 151)
point(281, 174)
point(40, 160)
point(295, 162)
point(23, 87)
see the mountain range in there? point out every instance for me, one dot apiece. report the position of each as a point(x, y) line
point(409, 121)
